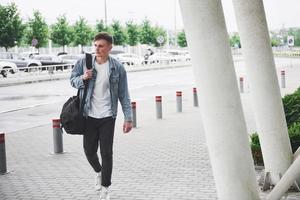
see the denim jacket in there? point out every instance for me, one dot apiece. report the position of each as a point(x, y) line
point(117, 81)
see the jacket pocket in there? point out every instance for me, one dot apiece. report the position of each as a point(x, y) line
point(114, 79)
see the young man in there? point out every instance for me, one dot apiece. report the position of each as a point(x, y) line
point(107, 83)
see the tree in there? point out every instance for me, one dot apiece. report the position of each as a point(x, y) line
point(11, 27)
point(118, 33)
point(159, 31)
point(296, 33)
point(37, 29)
point(100, 27)
point(133, 33)
point(276, 39)
point(147, 33)
point(181, 39)
point(61, 32)
point(83, 33)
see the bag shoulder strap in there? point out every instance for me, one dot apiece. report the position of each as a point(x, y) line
point(88, 60)
point(88, 63)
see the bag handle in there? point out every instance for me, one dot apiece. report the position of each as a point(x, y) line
point(89, 64)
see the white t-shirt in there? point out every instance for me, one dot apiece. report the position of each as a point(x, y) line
point(101, 100)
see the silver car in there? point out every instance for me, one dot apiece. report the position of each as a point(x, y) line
point(20, 61)
point(6, 67)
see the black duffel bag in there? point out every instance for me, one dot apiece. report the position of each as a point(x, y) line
point(71, 116)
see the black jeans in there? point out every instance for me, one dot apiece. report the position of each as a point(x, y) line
point(100, 131)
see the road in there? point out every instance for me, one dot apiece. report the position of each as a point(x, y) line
point(30, 105)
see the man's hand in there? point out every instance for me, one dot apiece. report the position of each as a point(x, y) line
point(87, 74)
point(127, 126)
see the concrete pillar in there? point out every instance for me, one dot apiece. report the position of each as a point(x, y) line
point(133, 106)
point(282, 72)
point(179, 101)
point(3, 167)
point(288, 179)
point(158, 100)
point(221, 109)
point(241, 84)
point(265, 92)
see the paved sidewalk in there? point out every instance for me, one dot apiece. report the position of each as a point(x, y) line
point(161, 159)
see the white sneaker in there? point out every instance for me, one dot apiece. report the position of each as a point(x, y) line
point(104, 194)
point(98, 181)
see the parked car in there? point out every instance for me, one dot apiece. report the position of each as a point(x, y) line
point(130, 59)
point(69, 58)
point(161, 57)
point(49, 59)
point(7, 67)
point(61, 53)
point(179, 55)
point(20, 61)
point(28, 54)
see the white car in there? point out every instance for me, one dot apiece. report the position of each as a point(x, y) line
point(179, 55)
point(70, 58)
point(6, 67)
point(161, 57)
point(28, 54)
point(130, 59)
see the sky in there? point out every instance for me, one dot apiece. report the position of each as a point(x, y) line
point(164, 13)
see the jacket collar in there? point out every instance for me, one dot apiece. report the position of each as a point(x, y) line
point(111, 63)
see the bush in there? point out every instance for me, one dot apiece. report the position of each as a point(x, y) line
point(256, 150)
point(294, 131)
point(291, 105)
point(294, 135)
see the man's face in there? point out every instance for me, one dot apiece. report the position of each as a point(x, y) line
point(102, 48)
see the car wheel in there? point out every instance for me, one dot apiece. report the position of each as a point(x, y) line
point(10, 70)
point(4, 73)
point(32, 69)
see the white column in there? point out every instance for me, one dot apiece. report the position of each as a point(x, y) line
point(79, 49)
point(16, 49)
point(219, 100)
point(50, 46)
point(65, 48)
point(265, 92)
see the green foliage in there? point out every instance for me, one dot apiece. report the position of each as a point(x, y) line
point(291, 105)
point(11, 27)
point(274, 42)
point(294, 131)
point(83, 33)
point(276, 39)
point(181, 39)
point(159, 31)
point(133, 33)
point(147, 33)
point(62, 32)
point(100, 27)
point(296, 33)
point(294, 136)
point(37, 28)
point(118, 33)
point(235, 41)
point(255, 149)
point(254, 140)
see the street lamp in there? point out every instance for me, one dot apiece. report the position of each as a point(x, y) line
point(105, 14)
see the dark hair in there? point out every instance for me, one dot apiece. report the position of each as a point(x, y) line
point(104, 36)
